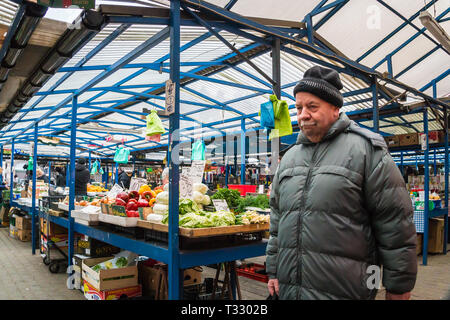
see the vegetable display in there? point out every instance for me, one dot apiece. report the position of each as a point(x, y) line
point(252, 217)
point(134, 200)
point(259, 201)
point(232, 197)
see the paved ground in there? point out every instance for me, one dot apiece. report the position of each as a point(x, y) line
point(23, 276)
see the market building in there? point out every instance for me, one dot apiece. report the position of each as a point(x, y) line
point(139, 141)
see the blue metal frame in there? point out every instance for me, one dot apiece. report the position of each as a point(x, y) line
point(11, 31)
point(73, 137)
point(243, 151)
point(426, 188)
point(33, 193)
point(175, 284)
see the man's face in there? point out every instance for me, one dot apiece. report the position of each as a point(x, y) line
point(314, 115)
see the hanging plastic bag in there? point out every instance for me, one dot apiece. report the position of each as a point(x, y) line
point(94, 168)
point(30, 164)
point(121, 155)
point(267, 118)
point(198, 150)
point(154, 124)
point(283, 125)
point(155, 138)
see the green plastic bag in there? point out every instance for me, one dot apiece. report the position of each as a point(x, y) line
point(121, 155)
point(30, 164)
point(198, 150)
point(283, 125)
point(154, 124)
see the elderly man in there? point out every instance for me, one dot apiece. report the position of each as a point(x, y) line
point(339, 207)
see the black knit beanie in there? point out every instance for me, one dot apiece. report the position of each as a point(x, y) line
point(323, 83)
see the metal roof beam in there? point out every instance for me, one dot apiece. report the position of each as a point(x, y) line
point(390, 35)
point(329, 15)
point(147, 45)
point(412, 65)
point(89, 56)
point(436, 80)
point(320, 8)
point(409, 40)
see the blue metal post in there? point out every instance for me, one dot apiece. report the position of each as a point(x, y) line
point(68, 174)
point(73, 139)
point(1, 164)
point(243, 151)
point(434, 165)
point(33, 193)
point(107, 176)
point(401, 163)
point(174, 273)
point(116, 173)
point(90, 160)
point(376, 126)
point(11, 182)
point(50, 172)
point(227, 170)
point(426, 188)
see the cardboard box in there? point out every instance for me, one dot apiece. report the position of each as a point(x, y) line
point(12, 231)
point(53, 228)
point(92, 293)
point(95, 248)
point(409, 139)
point(23, 223)
point(106, 280)
point(392, 141)
point(24, 235)
point(105, 208)
point(436, 235)
point(148, 278)
point(24, 194)
point(4, 217)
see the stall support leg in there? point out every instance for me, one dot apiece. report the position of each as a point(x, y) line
point(446, 179)
point(426, 187)
point(68, 174)
point(73, 138)
point(175, 273)
point(116, 173)
point(376, 126)
point(1, 164)
point(33, 194)
point(401, 164)
point(50, 172)
point(11, 182)
point(243, 151)
point(227, 170)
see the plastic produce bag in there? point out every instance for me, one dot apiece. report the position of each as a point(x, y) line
point(283, 125)
point(198, 150)
point(94, 168)
point(121, 155)
point(154, 124)
point(267, 118)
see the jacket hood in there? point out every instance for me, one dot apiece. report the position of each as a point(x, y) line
point(79, 167)
point(338, 127)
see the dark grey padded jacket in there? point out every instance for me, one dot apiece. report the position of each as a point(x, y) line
point(338, 207)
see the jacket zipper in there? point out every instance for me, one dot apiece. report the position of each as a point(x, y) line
point(300, 218)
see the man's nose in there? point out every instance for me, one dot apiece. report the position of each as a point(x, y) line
point(304, 114)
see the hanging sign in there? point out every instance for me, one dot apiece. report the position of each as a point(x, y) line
point(423, 141)
point(80, 4)
point(115, 190)
point(170, 97)
point(196, 171)
point(186, 188)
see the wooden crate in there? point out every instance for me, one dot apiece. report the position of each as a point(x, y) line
point(409, 139)
point(392, 141)
point(205, 232)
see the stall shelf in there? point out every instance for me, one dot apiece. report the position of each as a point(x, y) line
point(71, 109)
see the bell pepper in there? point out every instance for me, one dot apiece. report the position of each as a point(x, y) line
point(132, 206)
point(132, 214)
point(134, 195)
point(142, 203)
point(152, 202)
point(144, 188)
point(157, 191)
point(120, 202)
point(132, 200)
point(123, 196)
point(147, 195)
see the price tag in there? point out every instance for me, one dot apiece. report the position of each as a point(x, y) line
point(170, 97)
point(137, 183)
point(115, 190)
point(220, 204)
point(261, 188)
point(186, 188)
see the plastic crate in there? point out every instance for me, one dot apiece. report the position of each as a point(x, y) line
point(243, 188)
point(258, 272)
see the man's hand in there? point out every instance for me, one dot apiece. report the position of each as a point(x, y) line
point(273, 286)
point(393, 296)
